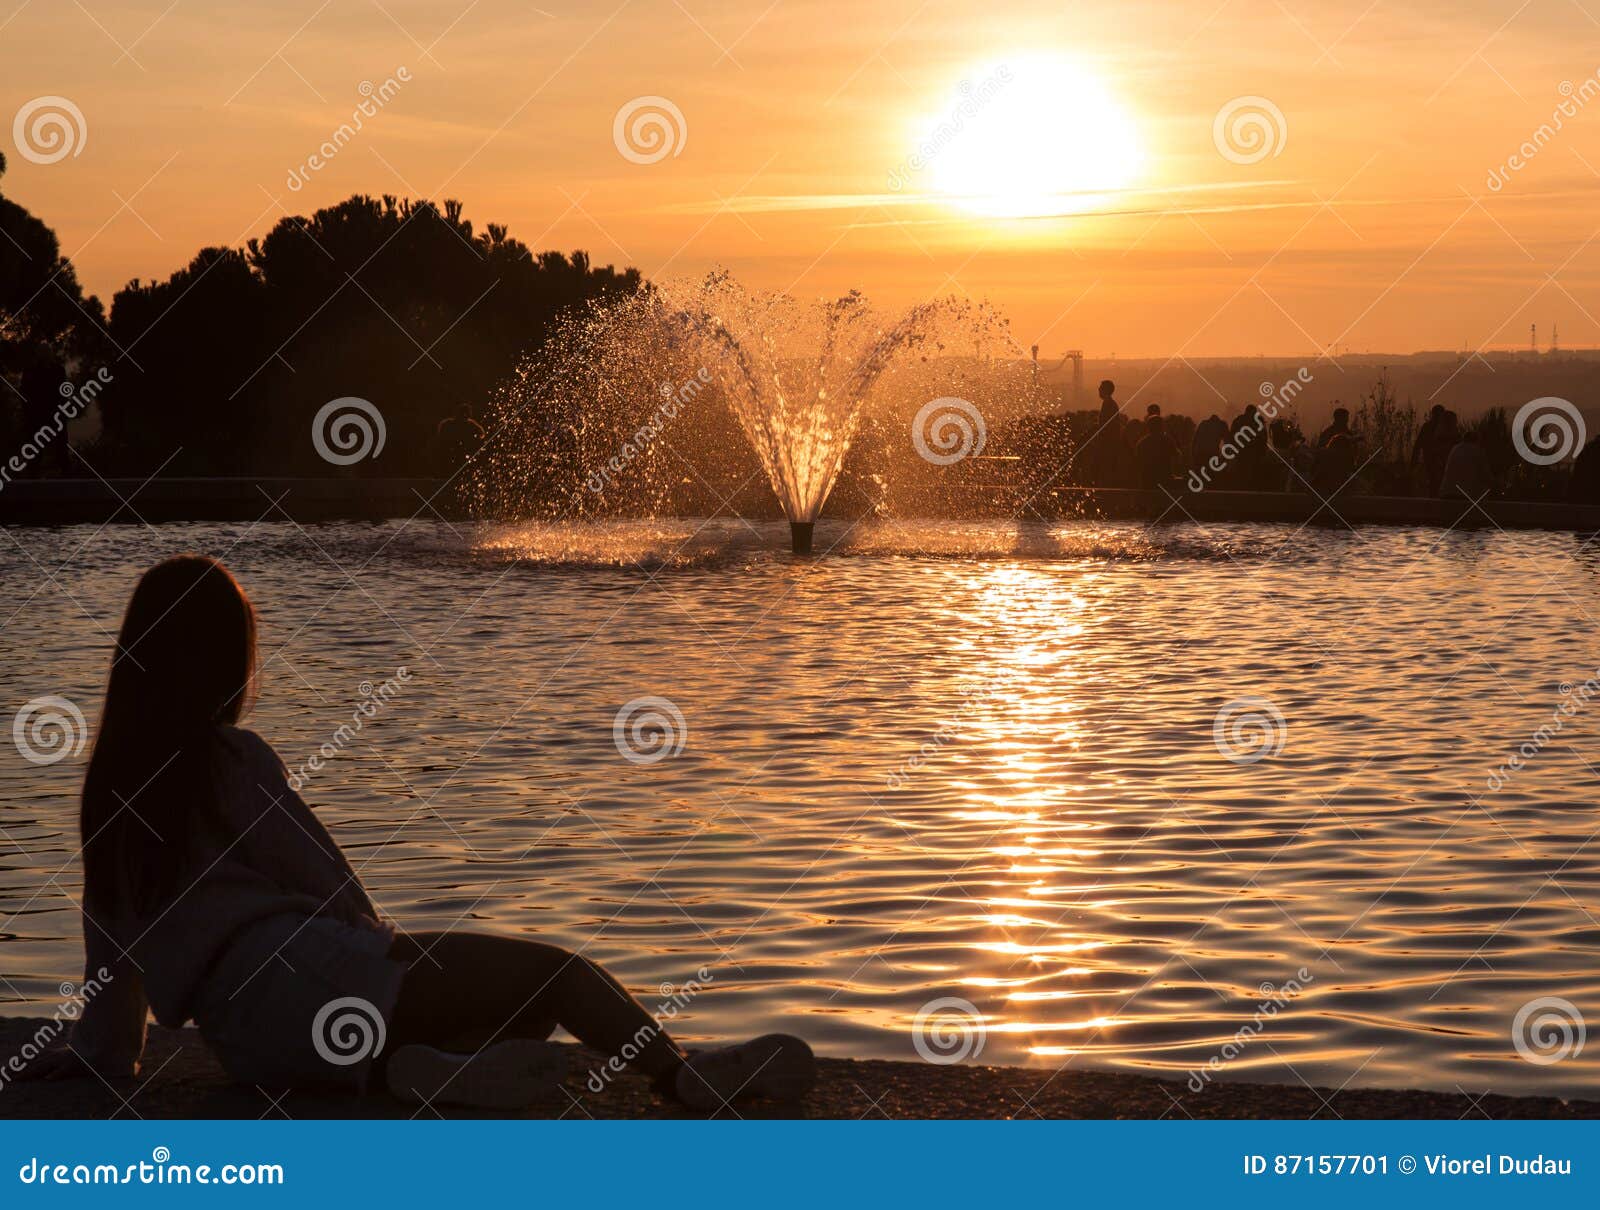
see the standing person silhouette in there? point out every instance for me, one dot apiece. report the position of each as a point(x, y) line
point(1105, 464)
point(1109, 408)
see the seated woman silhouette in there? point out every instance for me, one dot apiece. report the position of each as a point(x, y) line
point(212, 893)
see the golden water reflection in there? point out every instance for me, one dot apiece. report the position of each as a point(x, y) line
point(931, 767)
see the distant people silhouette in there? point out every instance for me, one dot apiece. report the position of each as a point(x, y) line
point(1249, 471)
point(1180, 431)
point(1466, 470)
point(1291, 455)
point(1155, 457)
point(1335, 462)
point(1209, 435)
point(1104, 464)
point(1340, 427)
point(212, 892)
point(1435, 439)
point(1109, 408)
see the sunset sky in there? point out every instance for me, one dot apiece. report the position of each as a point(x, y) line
point(1111, 220)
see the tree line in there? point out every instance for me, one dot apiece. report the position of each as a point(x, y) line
point(222, 367)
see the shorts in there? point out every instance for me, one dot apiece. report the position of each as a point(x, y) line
point(300, 1000)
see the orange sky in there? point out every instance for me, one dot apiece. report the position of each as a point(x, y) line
point(796, 112)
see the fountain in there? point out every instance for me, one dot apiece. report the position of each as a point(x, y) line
point(797, 375)
point(607, 397)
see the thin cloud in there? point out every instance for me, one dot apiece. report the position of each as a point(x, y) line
point(1140, 203)
point(774, 203)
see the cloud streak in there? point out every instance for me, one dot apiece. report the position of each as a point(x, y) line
point(1079, 204)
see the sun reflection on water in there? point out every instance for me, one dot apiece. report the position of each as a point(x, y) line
point(932, 766)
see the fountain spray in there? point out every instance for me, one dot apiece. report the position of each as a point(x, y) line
point(795, 374)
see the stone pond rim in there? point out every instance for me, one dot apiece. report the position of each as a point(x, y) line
point(134, 501)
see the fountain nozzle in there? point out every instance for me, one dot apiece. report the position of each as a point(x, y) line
point(800, 537)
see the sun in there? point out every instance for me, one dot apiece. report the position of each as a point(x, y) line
point(1029, 136)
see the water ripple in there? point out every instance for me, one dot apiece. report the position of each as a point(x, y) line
point(973, 760)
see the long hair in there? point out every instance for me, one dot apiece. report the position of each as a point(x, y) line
point(184, 664)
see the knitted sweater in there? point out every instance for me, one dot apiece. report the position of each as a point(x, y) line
point(276, 859)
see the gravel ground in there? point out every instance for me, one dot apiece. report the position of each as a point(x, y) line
point(182, 1080)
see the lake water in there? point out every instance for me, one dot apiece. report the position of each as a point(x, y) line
point(974, 763)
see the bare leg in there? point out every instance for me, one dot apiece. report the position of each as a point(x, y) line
point(494, 987)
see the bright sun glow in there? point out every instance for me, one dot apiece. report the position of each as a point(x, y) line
point(1029, 136)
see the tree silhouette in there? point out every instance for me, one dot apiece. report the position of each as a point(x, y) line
point(46, 325)
point(401, 303)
